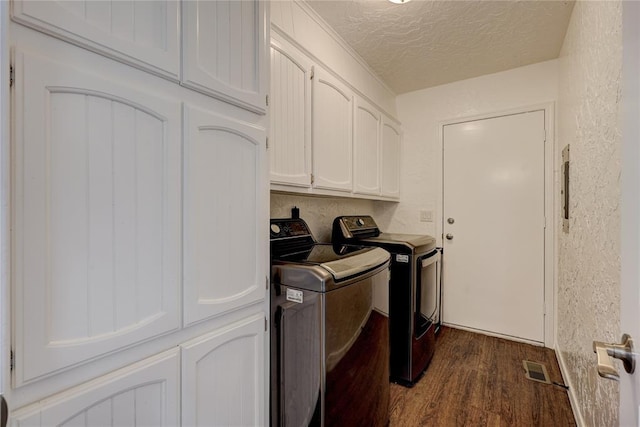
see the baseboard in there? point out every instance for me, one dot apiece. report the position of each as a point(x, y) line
point(493, 334)
point(577, 414)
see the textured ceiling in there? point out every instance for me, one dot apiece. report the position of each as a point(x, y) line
point(427, 43)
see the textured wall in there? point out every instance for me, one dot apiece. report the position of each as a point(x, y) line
point(589, 256)
point(421, 114)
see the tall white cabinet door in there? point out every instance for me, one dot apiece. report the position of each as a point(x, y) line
point(224, 50)
point(290, 99)
point(225, 217)
point(366, 149)
point(223, 377)
point(144, 34)
point(96, 216)
point(390, 158)
point(144, 394)
point(332, 132)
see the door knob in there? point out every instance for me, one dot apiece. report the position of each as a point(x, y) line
point(451, 220)
point(622, 351)
point(449, 236)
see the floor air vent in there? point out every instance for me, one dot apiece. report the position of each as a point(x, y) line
point(536, 371)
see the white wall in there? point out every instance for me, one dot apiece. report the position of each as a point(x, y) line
point(589, 255)
point(422, 113)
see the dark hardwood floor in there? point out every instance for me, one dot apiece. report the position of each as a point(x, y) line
point(477, 380)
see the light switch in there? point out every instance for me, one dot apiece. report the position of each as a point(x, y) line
point(426, 216)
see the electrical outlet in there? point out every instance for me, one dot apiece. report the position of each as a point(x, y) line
point(426, 216)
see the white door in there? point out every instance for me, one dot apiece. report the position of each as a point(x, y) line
point(142, 394)
point(290, 114)
point(332, 132)
point(223, 189)
point(630, 212)
point(493, 220)
point(390, 159)
point(366, 148)
point(222, 376)
point(222, 48)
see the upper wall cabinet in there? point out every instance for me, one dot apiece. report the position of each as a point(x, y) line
point(366, 148)
point(332, 132)
point(390, 158)
point(144, 34)
point(324, 138)
point(224, 186)
point(290, 140)
point(96, 215)
point(223, 50)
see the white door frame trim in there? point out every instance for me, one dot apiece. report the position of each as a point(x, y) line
point(550, 202)
point(5, 206)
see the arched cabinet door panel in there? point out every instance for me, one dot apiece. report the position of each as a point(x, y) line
point(225, 180)
point(146, 393)
point(332, 132)
point(290, 113)
point(224, 51)
point(366, 148)
point(390, 158)
point(144, 34)
point(96, 216)
point(223, 381)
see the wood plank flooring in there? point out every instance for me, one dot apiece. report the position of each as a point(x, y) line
point(477, 380)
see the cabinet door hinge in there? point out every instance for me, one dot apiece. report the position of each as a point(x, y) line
point(12, 360)
point(11, 75)
point(544, 135)
point(312, 179)
point(267, 143)
point(267, 100)
point(266, 282)
point(313, 72)
point(266, 325)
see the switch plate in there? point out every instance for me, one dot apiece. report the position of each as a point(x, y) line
point(426, 216)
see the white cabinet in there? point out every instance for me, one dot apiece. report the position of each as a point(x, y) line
point(144, 34)
point(324, 138)
point(222, 377)
point(290, 111)
point(143, 394)
point(223, 42)
point(96, 212)
point(224, 50)
point(138, 212)
point(366, 148)
point(390, 158)
point(332, 132)
point(224, 266)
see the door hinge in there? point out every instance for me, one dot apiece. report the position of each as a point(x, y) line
point(313, 72)
point(267, 143)
point(313, 179)
point(544, 135)
point(11, 75)
point(12, 360)
point(266, 324)
point(267, 100)
point(544, 222)
point(266, 282)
